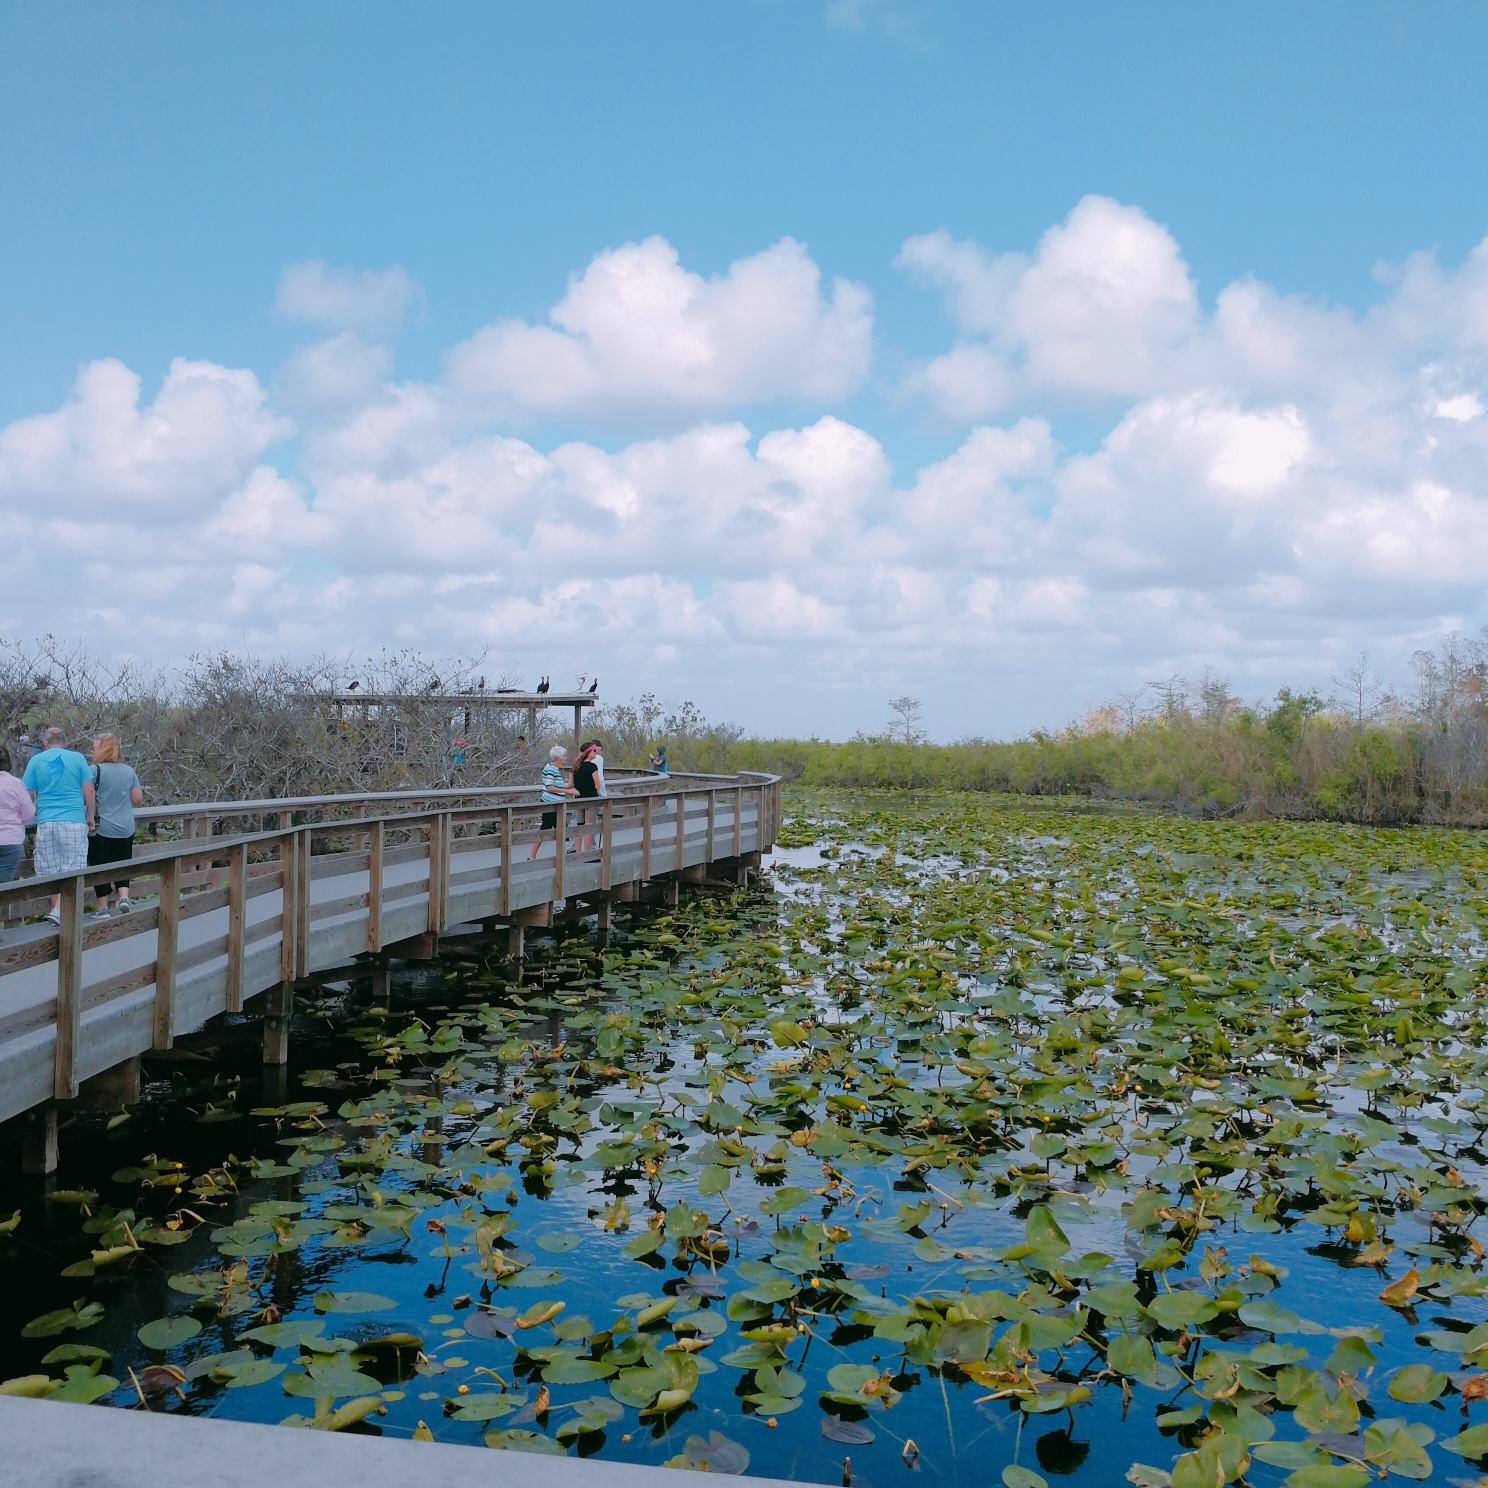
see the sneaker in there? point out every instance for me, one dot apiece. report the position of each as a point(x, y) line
point(54, 916)
point(101, 912)
point(123, 907)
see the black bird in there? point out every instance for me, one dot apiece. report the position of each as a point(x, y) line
point(352, 686)
point(433, 685)
point(482, 684)
point(543, 685)
point(594, 687)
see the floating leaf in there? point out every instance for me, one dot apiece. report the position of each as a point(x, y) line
point(1470, 1443)
point(517, 1440)
point(329, 1301)
point(853, 1433)
point(1182, 1309)
point(569, 1369)
point(784, 1200)
point(1015, 1476)
point(83, 1385)
point(1417, 1384)
point(488, 1407)
point(716, 1453)
point(165, 1333)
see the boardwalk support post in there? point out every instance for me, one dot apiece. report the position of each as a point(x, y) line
point(276, 1023)
point(39, 1142)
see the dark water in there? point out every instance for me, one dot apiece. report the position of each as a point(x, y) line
point(957, 1434)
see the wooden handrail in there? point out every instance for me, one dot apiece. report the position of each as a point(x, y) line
point(422, 870)
point(190, 848)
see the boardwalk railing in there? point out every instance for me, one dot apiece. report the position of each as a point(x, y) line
point(236, 914)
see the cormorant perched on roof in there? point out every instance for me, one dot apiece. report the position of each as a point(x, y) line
point(594, 687)
point(352, 686)
point(543, 685)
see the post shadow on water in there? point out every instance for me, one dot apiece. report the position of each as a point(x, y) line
point(1059, 1452)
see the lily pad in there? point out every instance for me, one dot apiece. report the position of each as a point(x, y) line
point(166, 1333)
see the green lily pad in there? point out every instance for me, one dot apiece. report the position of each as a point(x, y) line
point(166, 1333)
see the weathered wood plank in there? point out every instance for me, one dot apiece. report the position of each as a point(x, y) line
point(237, 907)
point(69, 990)
point(166, 937)
point(374, 889)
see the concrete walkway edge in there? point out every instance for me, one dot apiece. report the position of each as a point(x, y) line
point(50, 1444)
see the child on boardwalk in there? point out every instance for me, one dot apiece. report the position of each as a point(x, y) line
point(118, 793)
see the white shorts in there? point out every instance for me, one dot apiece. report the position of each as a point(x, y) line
point(61, 847)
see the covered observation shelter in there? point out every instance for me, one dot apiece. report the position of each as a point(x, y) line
point(471, 703)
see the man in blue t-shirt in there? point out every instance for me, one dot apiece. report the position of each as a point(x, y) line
point(61, 783)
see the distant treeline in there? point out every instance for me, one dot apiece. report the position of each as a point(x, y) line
point(228, 727)
point(1367, 755)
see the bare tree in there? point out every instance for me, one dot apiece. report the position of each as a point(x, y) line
point(1129, 708)
point(1215, 700)
point(904, 722)
point(1361, 689)
point(1172, 697)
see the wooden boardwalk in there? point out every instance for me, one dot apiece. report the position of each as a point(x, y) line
point(226, 913)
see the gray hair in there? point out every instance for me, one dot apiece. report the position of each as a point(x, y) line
point(558, 751)
point(53, 735)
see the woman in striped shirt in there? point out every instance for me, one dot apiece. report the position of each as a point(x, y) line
point(554, 788)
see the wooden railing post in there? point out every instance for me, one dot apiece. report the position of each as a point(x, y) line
point(432, 918)
point(712, 821)
point(69, 990)
point(446, 840)
point(681, 826)
point(561, 817)
point(606, 819)
point(738, 818)
point(289, 898)
point(302, 906)
point(374, 888)
point(237, 919)
point(646, 834)
point(508, 857)
point(168, 923)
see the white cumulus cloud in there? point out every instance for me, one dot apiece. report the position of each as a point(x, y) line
point(370, 301)
point(1274, 483)
point(638, 336)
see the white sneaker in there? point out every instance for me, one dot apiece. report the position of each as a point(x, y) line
point(123, 907)
point(54, 916)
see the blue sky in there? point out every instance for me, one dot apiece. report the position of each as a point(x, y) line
point(163, 166)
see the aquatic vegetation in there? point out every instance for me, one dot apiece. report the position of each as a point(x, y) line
point(993, 1121)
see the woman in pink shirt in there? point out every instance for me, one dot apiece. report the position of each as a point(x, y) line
point(16, 811)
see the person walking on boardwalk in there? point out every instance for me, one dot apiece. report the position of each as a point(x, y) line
point(16, 814)
point(554, 789)
point(588, 779)
point(658, 760)
point(61, 783)
point(596, 746)
point(117, 792)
